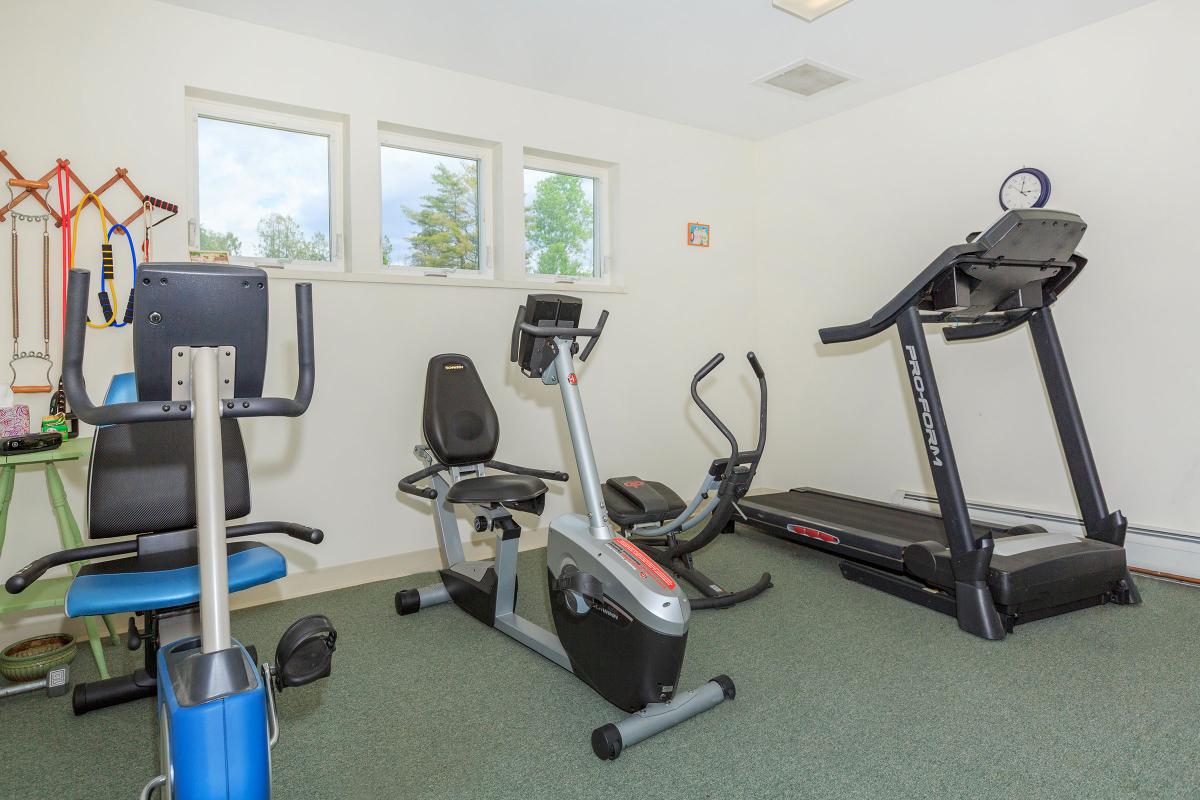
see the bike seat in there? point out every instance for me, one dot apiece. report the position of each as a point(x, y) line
point(505, 490)
point(151, 582)
point(633, 501)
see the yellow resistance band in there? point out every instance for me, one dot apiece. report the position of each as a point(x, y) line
point(75, 241)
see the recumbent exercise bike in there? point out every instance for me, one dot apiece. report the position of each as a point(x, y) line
point(620, 620)
point(168, 466)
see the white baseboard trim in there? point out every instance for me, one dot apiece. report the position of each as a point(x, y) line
point(301, 584)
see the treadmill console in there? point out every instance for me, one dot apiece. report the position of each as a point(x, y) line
point(1032, 235)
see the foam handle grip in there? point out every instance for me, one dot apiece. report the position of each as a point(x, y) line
point(105, 305)
point(106, 262)
point(129, 309)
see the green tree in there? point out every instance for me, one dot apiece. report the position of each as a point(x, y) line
point(447, 235)
point(558, 227)
point(214, 240)
point(281, 236)
point(387, 247)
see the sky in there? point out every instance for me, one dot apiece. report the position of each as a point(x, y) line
point(249, 171)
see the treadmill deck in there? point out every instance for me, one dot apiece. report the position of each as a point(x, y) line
point(1029, 572)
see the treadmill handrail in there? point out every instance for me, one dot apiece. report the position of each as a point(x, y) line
point(885, 317)
point(951, 258)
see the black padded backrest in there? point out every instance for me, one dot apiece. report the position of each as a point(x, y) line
point(142, 478)
point(460, 422)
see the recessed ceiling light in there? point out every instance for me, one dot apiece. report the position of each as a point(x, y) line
point(809, 10)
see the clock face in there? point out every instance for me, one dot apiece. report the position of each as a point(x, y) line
point(1025, 188)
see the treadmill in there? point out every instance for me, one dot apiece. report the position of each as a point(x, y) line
point(990, 578)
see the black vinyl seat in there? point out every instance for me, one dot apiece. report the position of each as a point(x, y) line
point(503, 489)
point(652, 502)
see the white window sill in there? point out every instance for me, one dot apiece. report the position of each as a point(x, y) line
point(425, 280)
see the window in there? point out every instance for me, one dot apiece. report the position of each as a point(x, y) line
point(435, 207)
point(565, 206)
point(266, 186)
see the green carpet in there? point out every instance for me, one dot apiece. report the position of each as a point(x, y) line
point(843, 692)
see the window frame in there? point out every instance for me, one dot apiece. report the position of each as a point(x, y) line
point(262, 117)
point(601, 259)
point(484, 177)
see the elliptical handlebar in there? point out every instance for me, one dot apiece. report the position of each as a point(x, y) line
point(708, 412)
point(161, 410)
point(736, 455)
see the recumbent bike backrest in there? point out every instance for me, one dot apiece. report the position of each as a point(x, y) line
point(141, 478)
point(460, 422)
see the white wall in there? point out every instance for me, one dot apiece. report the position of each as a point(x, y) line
point(851, 208)
point(337, 466)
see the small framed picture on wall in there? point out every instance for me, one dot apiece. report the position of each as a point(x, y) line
point(697, 234)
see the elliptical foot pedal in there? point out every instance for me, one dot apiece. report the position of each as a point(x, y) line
point(305, 652)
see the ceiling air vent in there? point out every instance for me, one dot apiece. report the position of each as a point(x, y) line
point(805, 78)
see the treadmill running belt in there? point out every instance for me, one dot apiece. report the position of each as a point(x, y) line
point(814, 505)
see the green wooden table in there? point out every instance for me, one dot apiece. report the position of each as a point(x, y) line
point(52, 592)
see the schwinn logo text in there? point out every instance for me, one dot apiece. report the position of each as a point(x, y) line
point(918, 382)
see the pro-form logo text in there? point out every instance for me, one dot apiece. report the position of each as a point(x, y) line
point(453, 365)
point(931, 440)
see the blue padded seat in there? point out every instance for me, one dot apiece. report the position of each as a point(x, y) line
point(165, 580)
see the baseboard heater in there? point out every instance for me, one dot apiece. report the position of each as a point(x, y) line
point(1153, 551)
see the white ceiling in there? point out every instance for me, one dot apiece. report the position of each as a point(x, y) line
point(690, 61)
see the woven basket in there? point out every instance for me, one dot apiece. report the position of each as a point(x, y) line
point(31, 659)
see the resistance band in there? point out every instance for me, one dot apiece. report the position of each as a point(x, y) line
point(132, 260)
point(63, 174)
point(148, 205)
point(106, 263)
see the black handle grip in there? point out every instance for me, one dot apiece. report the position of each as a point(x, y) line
point(408, 484)
point(419, 491)
point(712, 364)
point(587, 351)
point(292, 529)
point(514, 346)
point(843, 333)
point(754, 365)
point(155, 411)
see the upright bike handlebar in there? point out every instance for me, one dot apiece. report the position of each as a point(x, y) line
point(159, 410)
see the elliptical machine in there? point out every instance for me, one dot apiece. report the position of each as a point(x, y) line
point(168, 466)
point(621, 619)
point(651, 513)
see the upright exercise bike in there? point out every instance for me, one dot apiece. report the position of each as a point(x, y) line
point(621, 619)
point(168, 466)
point(654, 515)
